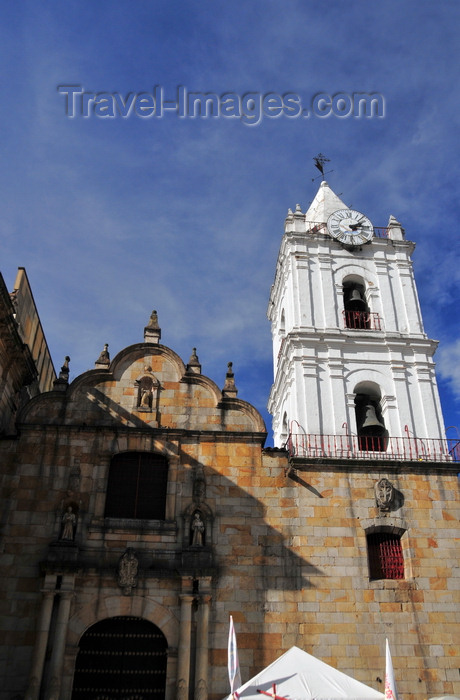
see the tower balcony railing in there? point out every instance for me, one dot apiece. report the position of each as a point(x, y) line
point(362, 320)
point(320, 227)
point(407, 449)
point(381, 232)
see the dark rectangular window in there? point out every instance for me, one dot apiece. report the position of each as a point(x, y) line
point(137, 486)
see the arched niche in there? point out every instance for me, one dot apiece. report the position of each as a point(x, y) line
point(191, 531)
point(147, 392)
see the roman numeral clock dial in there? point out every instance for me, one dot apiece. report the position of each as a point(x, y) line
point(350, 227)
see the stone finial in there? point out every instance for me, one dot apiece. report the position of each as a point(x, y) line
point(230, 390)
point(298, 210)
point(152, 331)
point(103, 361)
point(64, 373)
point(393, 221)
point(395, 230)
point(289, 221)
point(62, 382)
point(193, 366)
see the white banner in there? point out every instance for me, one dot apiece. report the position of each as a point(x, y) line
point(233, 663)
point(390, 684)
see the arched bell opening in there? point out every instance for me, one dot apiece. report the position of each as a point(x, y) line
point(356, 311)
point(370, 424)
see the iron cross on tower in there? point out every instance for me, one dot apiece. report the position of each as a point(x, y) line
point(320, 160)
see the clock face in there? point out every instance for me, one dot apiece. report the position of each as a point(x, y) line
point(350, 227)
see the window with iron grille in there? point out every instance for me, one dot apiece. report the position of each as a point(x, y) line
point(385, 556)
point(136, 486)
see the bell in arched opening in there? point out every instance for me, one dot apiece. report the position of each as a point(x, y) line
point(356, 302)
point(356, 310)
point(372, 434)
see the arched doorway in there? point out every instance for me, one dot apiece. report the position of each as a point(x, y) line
point(121, 658)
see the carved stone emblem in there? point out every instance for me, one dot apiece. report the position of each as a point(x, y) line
point(127, 571)
point(384, 494)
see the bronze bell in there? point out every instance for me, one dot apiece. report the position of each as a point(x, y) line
point(356, 302)
point(371, 426)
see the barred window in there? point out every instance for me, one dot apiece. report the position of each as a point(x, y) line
point(136, 486)
point(385, 556)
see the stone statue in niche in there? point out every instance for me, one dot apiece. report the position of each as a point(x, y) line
point(145, 395)
point(69, 523)
point(198, 530)
point(384, 494)
point(127, 571)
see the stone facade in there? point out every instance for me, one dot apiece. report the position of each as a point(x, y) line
point(139, 503)
point(55, 472)
point(283, 549)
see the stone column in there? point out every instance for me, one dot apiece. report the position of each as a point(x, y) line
point(38, 659)
point(183, 662)
point(201, 668)
point(57, 656)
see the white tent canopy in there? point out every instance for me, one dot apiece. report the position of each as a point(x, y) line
point(299, 676)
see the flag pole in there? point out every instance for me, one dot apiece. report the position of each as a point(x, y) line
point(234, 674)
point(390, 684)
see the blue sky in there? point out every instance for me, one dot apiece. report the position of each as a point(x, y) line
point(115, 217)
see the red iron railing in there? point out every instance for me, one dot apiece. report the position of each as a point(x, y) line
point(362, 320)
point(410, 449)
point(381, 232)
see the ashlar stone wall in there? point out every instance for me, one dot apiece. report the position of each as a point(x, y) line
point(284, 550)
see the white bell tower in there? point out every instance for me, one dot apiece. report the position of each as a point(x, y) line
point(351, 358)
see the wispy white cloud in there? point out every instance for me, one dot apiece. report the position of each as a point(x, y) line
point(448, 364)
